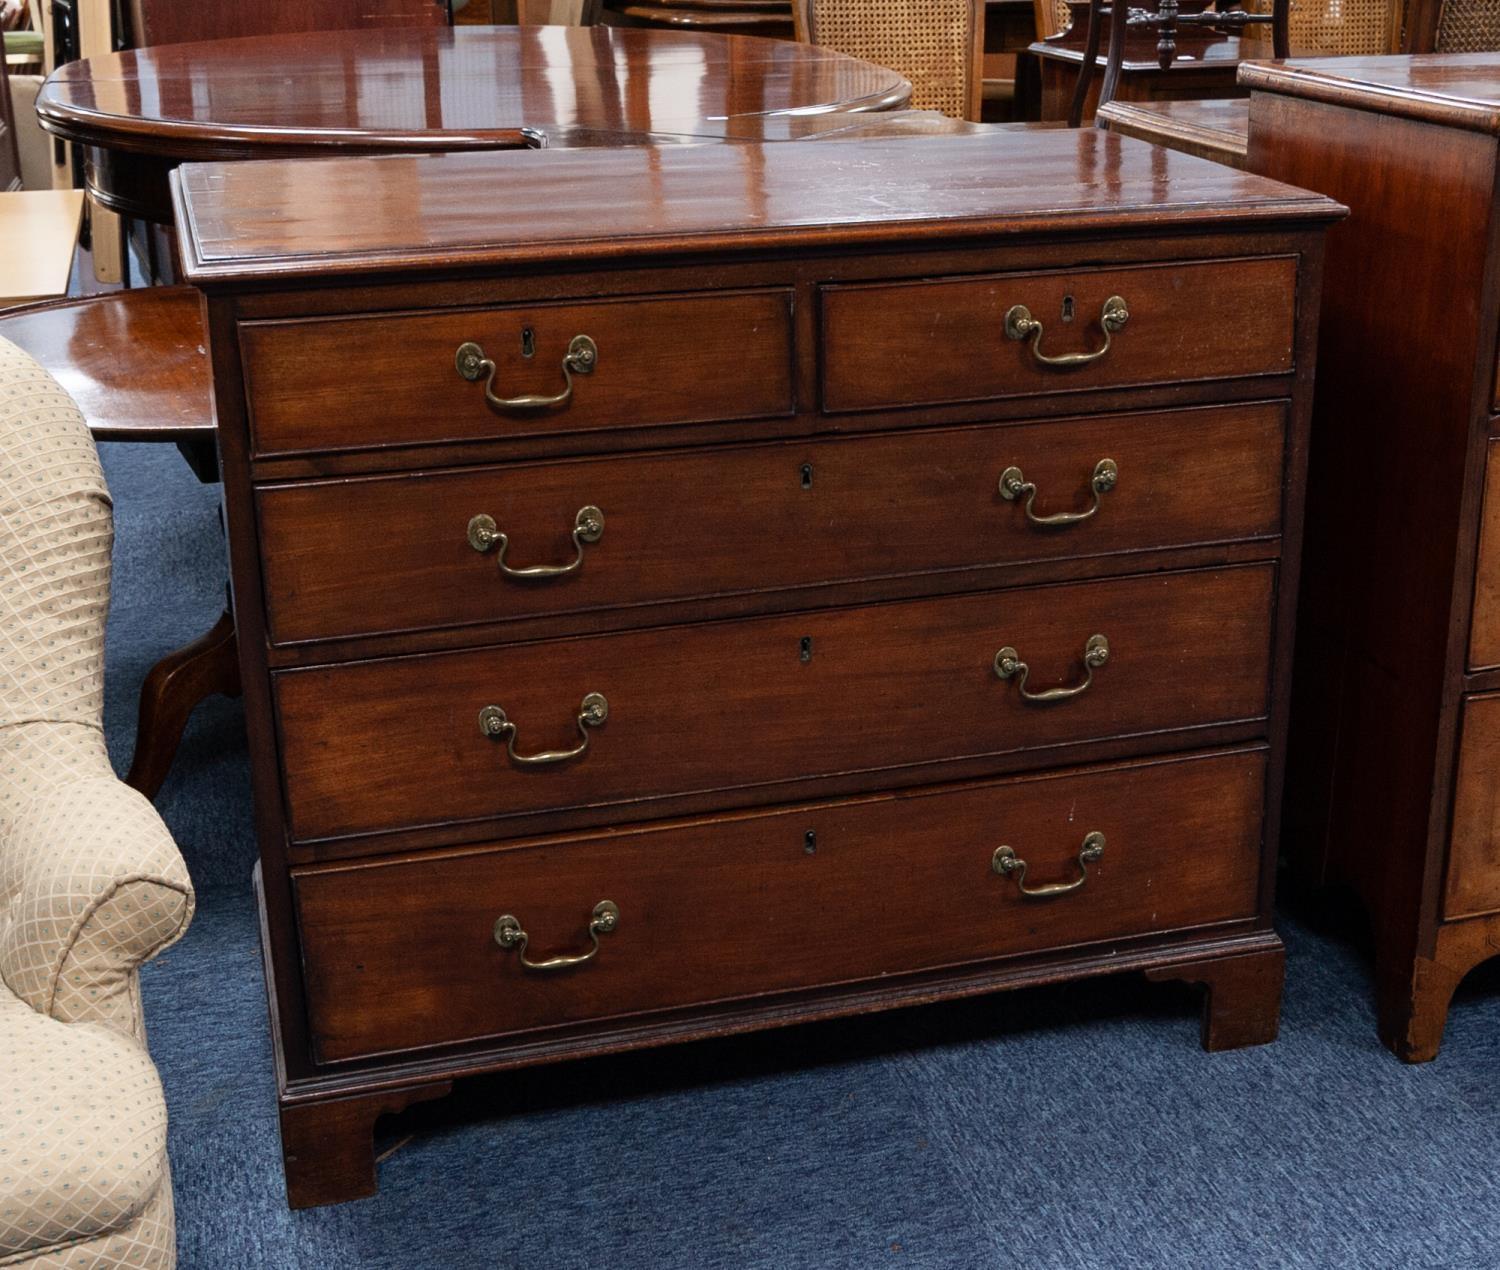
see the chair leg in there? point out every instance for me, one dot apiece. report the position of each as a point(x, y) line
point(173, 689)
point(1086, 68)
point(1281, 35)
point(1116, 58)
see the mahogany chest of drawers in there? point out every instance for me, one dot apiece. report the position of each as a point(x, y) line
point(823, 579)
point(1395, 787)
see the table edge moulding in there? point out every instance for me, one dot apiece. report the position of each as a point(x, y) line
point(141, 112)
point(871, 738)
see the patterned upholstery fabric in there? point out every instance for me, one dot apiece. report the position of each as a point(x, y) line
point(91, 884)
point(83, 1135)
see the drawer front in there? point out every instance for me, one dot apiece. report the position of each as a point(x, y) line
point(758, 518)
point(358, 382)
point(925, 343)
point(1473, 883)
point(1484, 629)
point(738, 907)
point(397, 742)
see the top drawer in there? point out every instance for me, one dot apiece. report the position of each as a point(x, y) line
point(965, 339)
point(354, 383)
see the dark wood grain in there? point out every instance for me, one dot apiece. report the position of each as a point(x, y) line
point(1452, 90)
point(1484, 628)
point(826, 677)
point(503, 210)
point(1185, 650)
point(1403, 389)
point(1241, 996)
point(400, 89)
point(328, 1146)
point(172, 690)
point(162, 392)
point(891, 885)
point(1217, 130)
point(681, 359)
point(792, 514)
point(930, 342)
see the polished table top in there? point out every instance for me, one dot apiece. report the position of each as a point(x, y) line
point(445, 89)
point(168, 397)
point(460, 212)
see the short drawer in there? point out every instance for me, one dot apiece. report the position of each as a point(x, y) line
point(758, 518)
point(714, 910)
point(1484, 628)
point(926, 343)
point(1473, 881)
point(353, 383)
point(401, 742)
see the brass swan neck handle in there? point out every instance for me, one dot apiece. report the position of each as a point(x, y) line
point(473, 365)
point(1008, 665)
point(1014, 485)
point(494, 723)
point(509, 933)
point(1020, 325)
point(1007, 864)
point(588, 527)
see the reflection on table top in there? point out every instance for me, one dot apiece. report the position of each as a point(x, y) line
point(80, 342)
point(444, 89)
point(466, 211)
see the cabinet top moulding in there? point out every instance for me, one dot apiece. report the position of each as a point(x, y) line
point(461, 212)
point(1453, 90)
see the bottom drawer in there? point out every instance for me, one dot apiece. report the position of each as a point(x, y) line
point(403, 954)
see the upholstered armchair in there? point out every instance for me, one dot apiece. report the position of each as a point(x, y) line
point(91, 883)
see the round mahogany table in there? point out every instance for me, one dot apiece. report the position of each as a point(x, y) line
point(139, 114)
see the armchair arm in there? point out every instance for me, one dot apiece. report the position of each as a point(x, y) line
point(96, 887)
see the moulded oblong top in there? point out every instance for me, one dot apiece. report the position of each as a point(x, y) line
point(460, 211)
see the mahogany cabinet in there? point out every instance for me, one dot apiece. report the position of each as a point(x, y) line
point(820, 579)
point(1395, 767)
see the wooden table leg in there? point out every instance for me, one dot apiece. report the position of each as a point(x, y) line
point(173, 689)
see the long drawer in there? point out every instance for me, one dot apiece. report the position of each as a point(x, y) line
point(329, 384)
point(741, 906)
point(414, 741)
point(757, 518)
point(965, 339)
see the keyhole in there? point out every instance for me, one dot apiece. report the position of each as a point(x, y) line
point(807, 476)
point(1067, 312)
point(528, 342)
point(810, 842)
point(805, 648)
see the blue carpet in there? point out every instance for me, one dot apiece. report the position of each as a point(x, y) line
point(1072, 1127)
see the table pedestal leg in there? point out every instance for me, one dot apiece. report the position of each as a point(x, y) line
point(173, 689)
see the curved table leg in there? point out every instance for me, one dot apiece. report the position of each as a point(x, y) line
point(173, 689)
